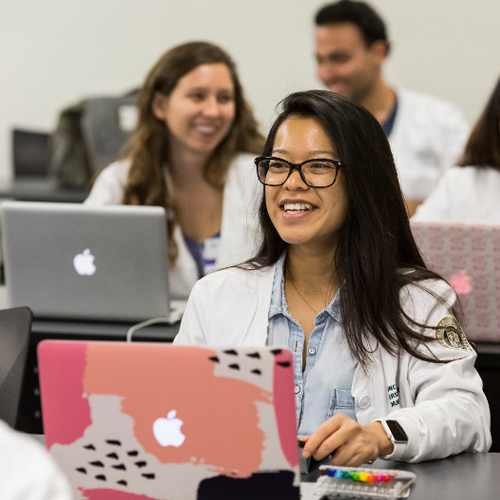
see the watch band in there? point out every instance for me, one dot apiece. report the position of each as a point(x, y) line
point(396, 434)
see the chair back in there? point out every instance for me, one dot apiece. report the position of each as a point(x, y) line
point(15, 328)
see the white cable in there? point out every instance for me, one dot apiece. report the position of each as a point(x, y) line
point(176, 310)
point(143, 324)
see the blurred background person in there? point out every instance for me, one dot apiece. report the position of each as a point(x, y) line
point(27, 471)
point(426, 134)
point(470, 192)
point(192, 153)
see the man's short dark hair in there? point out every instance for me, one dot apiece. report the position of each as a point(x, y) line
point(360, 14)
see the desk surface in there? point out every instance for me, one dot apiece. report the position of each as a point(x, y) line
point(100, 330)
point(93, 330)
point(468, 476)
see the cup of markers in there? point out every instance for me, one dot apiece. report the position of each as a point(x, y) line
point(355, 482)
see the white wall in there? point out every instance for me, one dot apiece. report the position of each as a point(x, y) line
point(53, 52)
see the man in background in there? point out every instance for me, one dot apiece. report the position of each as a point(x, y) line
point(426, 134)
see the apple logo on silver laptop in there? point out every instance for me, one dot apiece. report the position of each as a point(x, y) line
point(84, 263)
point(167, 431)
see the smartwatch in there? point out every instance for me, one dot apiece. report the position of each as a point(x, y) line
point(396, 434)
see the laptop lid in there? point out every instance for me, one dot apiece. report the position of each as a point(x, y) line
point(468, 257)
point(71, 261)
point(15, 328)
point(158, 421)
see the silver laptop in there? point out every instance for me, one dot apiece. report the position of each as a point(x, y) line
point(70, 261)
point(468, 257)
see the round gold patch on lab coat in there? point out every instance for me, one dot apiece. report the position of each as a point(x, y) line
point(450, 335)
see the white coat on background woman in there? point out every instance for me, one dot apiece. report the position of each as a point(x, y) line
point(190, 155)
point(470, 192)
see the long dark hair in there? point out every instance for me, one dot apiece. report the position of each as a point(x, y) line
point(376, 241)
point(149, 144)
point(483, 146)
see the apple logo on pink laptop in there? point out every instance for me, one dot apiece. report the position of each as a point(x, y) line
point(461, 283)
point(167, 431)
point(84, 263)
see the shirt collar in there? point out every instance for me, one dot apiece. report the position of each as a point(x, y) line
point(278, 292)
point(278, 299)
point(388, 125)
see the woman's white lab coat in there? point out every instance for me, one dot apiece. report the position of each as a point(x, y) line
point(441, 407)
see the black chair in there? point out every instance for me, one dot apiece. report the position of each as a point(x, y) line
point(31, 153)
point(15, 329)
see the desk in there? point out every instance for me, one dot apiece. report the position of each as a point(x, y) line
point(488, 366)
point(94, 330)
point(468, 476)
point(40, 189)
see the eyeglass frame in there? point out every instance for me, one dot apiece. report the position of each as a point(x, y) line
point(298, 167)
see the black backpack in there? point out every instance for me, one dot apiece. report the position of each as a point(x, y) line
point(89, 136)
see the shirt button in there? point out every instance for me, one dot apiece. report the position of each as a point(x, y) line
point(297, 389)
point(311, 350)
point(364, 402)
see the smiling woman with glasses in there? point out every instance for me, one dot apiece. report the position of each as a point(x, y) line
point(382, 366)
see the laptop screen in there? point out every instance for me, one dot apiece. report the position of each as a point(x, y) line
point(92, 263)
point(468, 257)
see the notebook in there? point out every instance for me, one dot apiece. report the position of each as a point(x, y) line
point(157, 421)
point(468, 257)
point(71, 261)
point(15, 328)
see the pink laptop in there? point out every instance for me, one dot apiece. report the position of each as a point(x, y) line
point(468, 257)
point(144, 421)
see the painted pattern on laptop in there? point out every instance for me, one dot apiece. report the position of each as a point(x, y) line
point(126, 430)
point(468, 256)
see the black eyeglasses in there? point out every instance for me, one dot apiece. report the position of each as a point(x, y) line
point(317, 173)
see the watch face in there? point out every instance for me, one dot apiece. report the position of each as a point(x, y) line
point(397, 431)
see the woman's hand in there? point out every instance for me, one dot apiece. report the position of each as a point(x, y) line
point(347, 442)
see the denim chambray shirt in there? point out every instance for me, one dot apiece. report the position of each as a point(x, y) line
point(324, 387)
